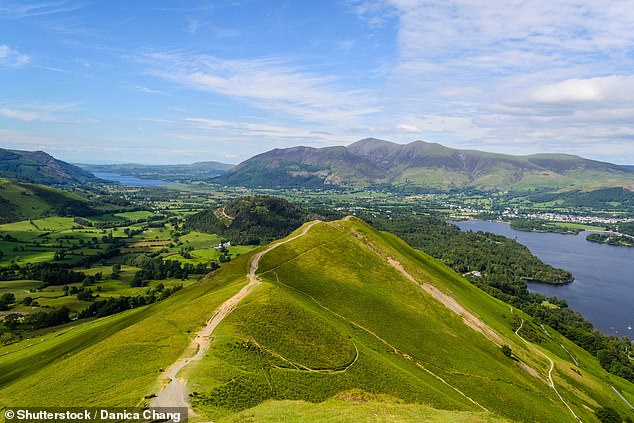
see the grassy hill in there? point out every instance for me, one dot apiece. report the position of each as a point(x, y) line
point(20, 201)
point(422, 166)
point(347, 321)
point(41, 168)
point(251, 220)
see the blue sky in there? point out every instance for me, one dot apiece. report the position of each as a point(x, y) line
point(186, 81)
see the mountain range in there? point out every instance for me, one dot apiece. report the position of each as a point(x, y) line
point(369, 163)
point(422, 166)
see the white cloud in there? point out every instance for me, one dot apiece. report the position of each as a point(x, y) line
point(12, 58)
point(26, 9)
point(346, 45)
point(616, 88)
point(42, 112)
point(267, 83)
point(460, 92)
point(411, 129)
point(246, 130)
point(20, 115)
point(511, 75)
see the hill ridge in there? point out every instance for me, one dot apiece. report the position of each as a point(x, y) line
point(421, 165)
point(175, 394)
point(41, 168)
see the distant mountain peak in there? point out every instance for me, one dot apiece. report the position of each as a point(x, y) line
point(421, 165)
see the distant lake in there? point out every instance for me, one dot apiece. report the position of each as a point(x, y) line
point(131, 181)
point(603, 290)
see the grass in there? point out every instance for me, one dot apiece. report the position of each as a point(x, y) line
point(326, 288)
point(356, 406)
point(577, 226)
point(31, 200)
point(55, 224)
point(136, 215)
point(330, 317)
point(115, 360)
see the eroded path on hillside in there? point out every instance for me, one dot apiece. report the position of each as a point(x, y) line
point(551, 382)
point(175, 393)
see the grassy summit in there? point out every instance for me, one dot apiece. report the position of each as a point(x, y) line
point(346, 317)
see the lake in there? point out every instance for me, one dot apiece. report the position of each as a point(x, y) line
point(131, 181)
point(603, 290)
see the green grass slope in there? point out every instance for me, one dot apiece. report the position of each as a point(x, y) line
point(21, 201)
point(336, 328)
point(383, 334)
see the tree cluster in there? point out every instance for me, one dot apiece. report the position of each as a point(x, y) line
point(116, 305)
point(155, 268)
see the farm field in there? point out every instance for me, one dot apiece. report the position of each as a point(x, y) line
point(101, 254)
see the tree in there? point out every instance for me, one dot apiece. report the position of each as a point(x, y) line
point(116, 271)
point(11, 321)
point(85, 294)
point(9, 298)
point(27, 301)
point(608, 415)
point(506, 350)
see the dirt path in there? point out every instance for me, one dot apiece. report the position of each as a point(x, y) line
point(551, 382)
point(222, 214)
point(175, 393)
point(560, 344)
point(452, 304)
point(622, 397)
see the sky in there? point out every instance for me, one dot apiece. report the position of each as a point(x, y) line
point(170, 82)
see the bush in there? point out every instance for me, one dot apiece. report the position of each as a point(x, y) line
point(608, 415)
point(506, 350)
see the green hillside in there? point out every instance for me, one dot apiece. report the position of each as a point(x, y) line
point(20, 201)
point(251, 220)
point(343, 321)
point(41, 168)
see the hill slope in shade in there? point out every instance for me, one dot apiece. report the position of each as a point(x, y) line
point(422, 165)
point(343, 314)
point(41, 168)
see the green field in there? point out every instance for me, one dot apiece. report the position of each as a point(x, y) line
point(40, 241)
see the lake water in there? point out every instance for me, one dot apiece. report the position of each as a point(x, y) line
point(130, 180)
point(603, 290)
